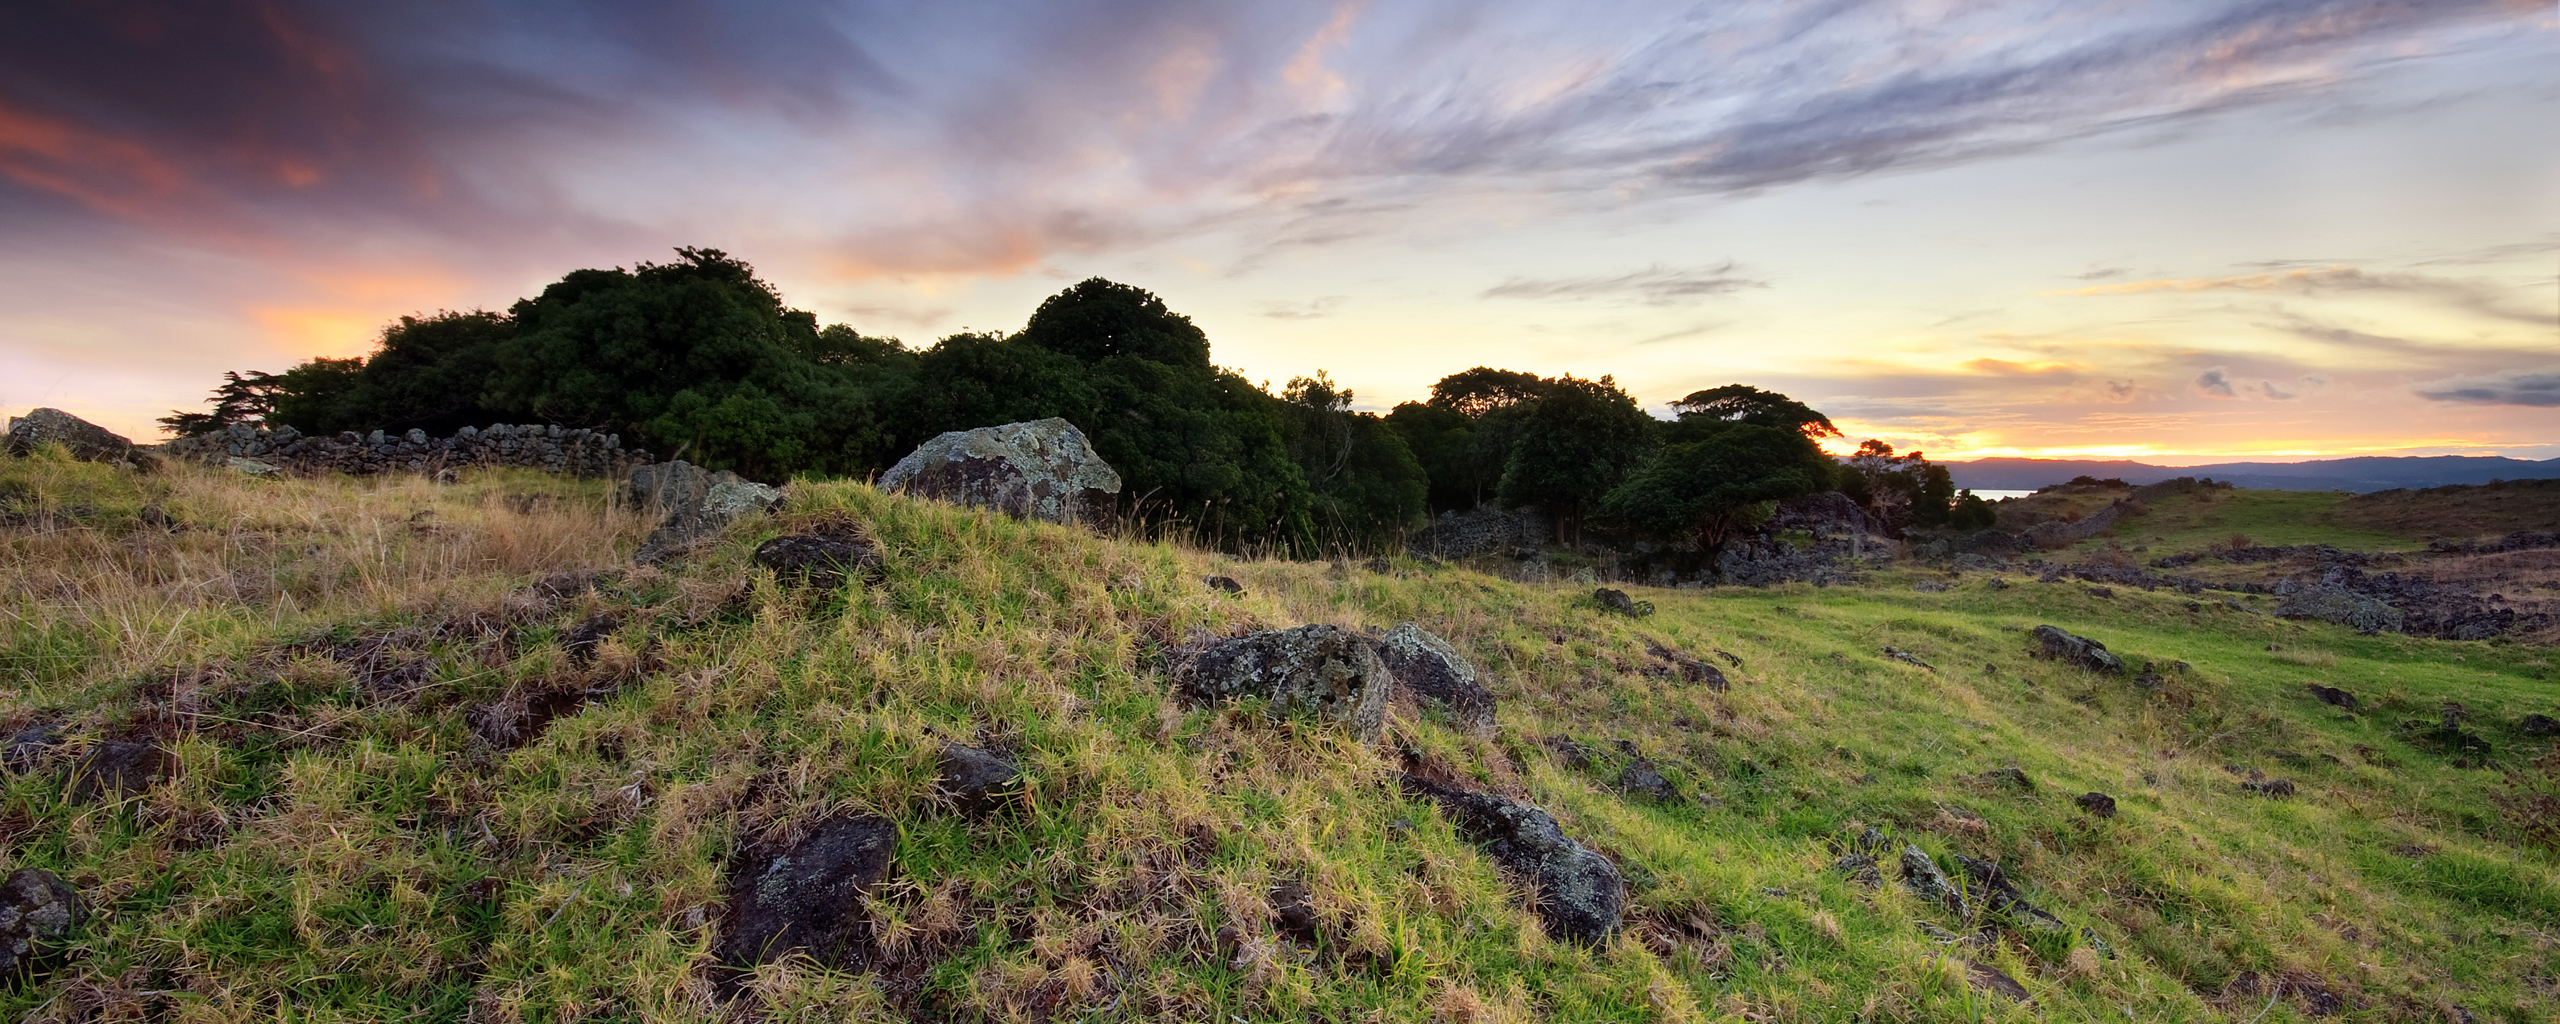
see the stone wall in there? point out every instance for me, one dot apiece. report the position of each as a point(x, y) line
point(556, 449)
point(1485, 529)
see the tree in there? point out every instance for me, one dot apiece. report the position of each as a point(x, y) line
point(245, 396)
point(1710, 490)
point(1442, 442)
point(1097, 319)
point(1740, 403)
point(309, 397)
point(1897, 491)
point(1576, 442)
point(1972, 513)
point(1365, 485)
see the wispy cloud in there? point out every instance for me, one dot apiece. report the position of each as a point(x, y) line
point(1654, 286)
point(2539, 388)
point(2215, 382)
point(1316, 308)
point(2483, 297)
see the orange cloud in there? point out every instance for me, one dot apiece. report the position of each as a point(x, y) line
point(351, 308)
point(109, 174)
point(1307, 70)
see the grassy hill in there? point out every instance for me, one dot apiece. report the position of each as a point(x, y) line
point(404, 779)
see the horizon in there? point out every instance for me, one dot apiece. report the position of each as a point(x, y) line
point(2180, 234)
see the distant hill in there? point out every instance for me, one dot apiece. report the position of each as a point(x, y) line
point(2370, 473)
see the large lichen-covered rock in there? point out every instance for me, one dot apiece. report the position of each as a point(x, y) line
point(696, 504)
point(38, 911)
point(85, 441)
point(1576, 892)
point(1436, 674)
point(1043, 469)
point(1326, 671)
point(2328, 602)
point(2068, 649)
point(808, 896)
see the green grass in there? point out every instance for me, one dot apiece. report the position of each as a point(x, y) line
point(2204, 519)
point(358, 857)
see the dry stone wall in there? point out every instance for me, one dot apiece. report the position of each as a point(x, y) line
point(574, 451)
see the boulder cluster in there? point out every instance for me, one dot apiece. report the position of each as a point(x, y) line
point(572, 451)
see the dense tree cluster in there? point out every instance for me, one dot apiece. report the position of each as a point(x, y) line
point(701, 359)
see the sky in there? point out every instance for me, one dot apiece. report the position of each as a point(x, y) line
point(2176, 230)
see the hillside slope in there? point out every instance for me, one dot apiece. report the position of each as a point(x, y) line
point(442, 752)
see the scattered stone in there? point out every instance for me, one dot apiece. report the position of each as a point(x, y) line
point(1986, 978)
point(1641, 779)
point(2270, 788)
point(1859, 861)
point(554, 449)
point(1932, 587)
point(2330, 602)
point(1922, 876)
point(1042, 469)
point(1293, 906)
point(117, 769)
point(824, 558)
point(1730, 658)
point(38, 912)
point(250, 467)
point(979, 781)
point(1938, 934)
point(1570, 752)
point(1907, 658)
point(2290, 758)
point(1326, 670)
point(2009, 778)
point(1998, 894)
point(696, 503)
point(1997, 583)
point(1432, 670)
point(2105, 592)
point(1618, 601)
point(25, 749)
point(2099, 805)
point(2538, 725)
point(86, 441)
point(2057, 645)
point(806, 897)
point(1693, 670)
point(1577, 892)
point(580, 641)
point(2333, 696)
point(1225, 584)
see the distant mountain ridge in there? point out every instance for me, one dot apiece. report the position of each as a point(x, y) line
point(2365, 473)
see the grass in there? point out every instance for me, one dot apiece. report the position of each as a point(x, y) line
point(341, 842)
point(2204, 519)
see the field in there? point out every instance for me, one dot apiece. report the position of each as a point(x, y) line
point(404, 779)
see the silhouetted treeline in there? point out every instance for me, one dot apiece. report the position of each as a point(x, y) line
point(703, 361)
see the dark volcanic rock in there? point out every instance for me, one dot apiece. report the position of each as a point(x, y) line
point(86, 441)
point(2273, 788)
point(2333, 696)
point(1225, 585)
point(2059, 646)
point(1578, 893)
point(1998, 894)
point(1641, 779)
point(2009, 778)
point(1986, 978)
point(1293, 905)
point(1328, 671)
point(38, 911)
point(1859, 861)
point(116, 769)
point(823, 558)
point(1691, 669)
point(581, 640)
point(1921, 875)
point(806, 897)
point(1570, 752)
point(2330, 602)
point(979, 781)
point(2538, 725)
point(696, 503)
point(2097, 804)
point(1042, 469)
point(1434, 672)
point(1618, 601)
point(22, 751)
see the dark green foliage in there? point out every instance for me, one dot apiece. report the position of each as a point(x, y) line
point(981, 380)
point(1897, 490)
point(1972, 513)
point(1709, 490)
point(1098, 319)
point(1577, 441)
point(1741, 403)
point(246, 396)
point(430, 372)
point(1367, 487)
point(1442, 440)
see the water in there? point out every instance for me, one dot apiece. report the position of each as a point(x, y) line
point(1990, 495)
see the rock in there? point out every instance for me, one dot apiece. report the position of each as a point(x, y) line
point(1570, 753)
point(2149, 678)
point(25, 749)
point(2059, 646)
point(250, 467)
point(86, 441)
point(1043, 469)
point(1293, 905)
point(1932, 587)
point(580, 641)
point(2333, 697)
point(1859, 862)
point(117, 769)
point(1325, 670)
point(2104, 592)
point(1618, 601)
point(1224, 585)
point(2538, 725)
point(2329, 602)
point(1998, 894)
point(1907, 658)
point(1693, 670)
point(1922, 877)
point(806, 897)
point(979, 781)
point(1641, 779)
point(1576, 892)
point(696, 504)
point(2009, 778)
point(38, 912)
point(824, 558)
point(2271, 788)
point(2098, 805)
point(1986, 978)
point(1435, 673)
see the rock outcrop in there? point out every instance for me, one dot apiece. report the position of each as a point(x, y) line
point(806, 897)
point(2054, 644)
point(1577, 893)
point(1327, 671)
point(575, 451)
point(978, 781)
point(1044, 469)
point(38, 911)
point(696, 504)
point(824, 558)
point(2329, 602)
point(1427, 667)
point(86, 441)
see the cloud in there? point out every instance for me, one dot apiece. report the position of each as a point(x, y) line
point(2269, 389)
point(1316, 308)
point(2539, 388)
point(1653, 286)
point(2216, 383)
point(2482, 297)
point(2120, 390)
